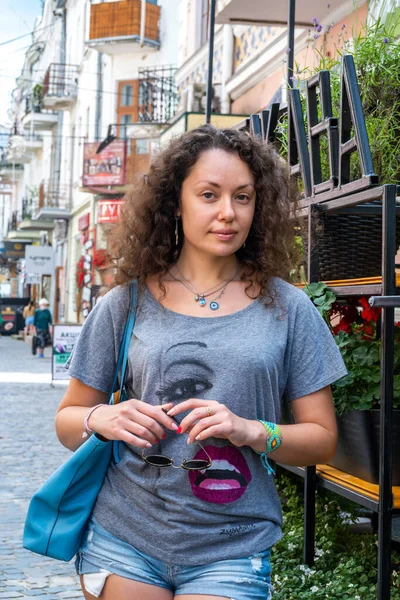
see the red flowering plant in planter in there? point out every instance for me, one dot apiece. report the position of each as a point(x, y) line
point(355, 328)
point(80, 273)
point(101, 259)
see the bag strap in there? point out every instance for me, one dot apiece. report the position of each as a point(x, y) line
point(126, 339)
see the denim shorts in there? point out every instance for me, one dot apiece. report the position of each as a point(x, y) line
point(102, 554)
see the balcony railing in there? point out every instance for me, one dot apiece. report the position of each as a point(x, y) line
point(53, 194)
point(120, 22)
point(60, 86)
point(158, 94)
point(53, 201)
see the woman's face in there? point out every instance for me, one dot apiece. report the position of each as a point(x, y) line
point(217, 203)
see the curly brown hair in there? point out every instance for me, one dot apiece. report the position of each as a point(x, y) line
point(143, 243)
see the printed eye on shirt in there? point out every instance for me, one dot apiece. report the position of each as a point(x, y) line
point(188, 373)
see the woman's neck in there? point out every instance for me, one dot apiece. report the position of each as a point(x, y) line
point(206, 270)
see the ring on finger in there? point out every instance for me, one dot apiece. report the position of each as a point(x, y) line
point(208, 411)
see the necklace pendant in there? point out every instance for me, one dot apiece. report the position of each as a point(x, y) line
point(202, 301)
point(214, 305)
point(197, 298)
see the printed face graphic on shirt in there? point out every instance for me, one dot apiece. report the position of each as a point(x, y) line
point(188, 374)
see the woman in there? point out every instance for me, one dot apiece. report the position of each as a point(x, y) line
point(220, 339)
point(43, 326)
point(29, 316)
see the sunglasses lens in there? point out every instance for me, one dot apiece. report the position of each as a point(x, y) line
point(196, 465)
point(159, 461)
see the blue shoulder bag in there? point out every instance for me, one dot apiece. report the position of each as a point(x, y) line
point(59, 510)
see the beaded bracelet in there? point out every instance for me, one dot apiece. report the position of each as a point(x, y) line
point(274, 440)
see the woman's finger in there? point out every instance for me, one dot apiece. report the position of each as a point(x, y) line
point(217, 431)
point(194, 416)
point(189, 405)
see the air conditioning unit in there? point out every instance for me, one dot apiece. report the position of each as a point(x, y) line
point(194, 98)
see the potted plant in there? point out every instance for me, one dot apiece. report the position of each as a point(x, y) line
point(355, 327)
point(79, 277)
point(102, 262)
point(37, 95)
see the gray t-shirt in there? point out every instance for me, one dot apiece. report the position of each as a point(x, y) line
point(250, 361)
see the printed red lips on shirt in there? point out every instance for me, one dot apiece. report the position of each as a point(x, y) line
point(227, 478)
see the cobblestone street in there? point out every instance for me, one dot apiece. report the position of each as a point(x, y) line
point(29, 452)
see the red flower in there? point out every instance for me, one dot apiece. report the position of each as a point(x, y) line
point(344, 325)
point(369, 314)
point(368, 332)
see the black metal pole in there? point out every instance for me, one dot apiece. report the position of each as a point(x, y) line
point(386, 411)
point(310, 484)
point(290, 48)
point(210, 61)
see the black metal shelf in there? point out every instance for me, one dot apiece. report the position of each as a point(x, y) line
point(338, 489)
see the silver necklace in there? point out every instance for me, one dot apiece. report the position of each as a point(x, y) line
point(201, 297)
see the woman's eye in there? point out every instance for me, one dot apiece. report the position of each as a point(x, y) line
point(243, 197)
point(208, 195)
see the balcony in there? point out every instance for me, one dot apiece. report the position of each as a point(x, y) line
point(53, 202)
point(36, 117)
point(260, 12)
point(115, 27)
point(60, 86)
point(21, 149)
point(10, 172)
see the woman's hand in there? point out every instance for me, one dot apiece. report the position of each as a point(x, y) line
point(209, 418)
point(134, 422)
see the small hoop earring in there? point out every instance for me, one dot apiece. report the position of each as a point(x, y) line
point(244, 244)
point(176, 231)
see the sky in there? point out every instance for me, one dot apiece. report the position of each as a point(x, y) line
point(17, 19)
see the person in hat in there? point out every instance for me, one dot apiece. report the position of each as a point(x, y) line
point(43, 326)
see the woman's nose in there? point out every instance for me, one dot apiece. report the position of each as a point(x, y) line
point(226, 211)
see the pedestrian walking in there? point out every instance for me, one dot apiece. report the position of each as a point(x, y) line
point(43, 326)
point(188, 509)
point(29, 316)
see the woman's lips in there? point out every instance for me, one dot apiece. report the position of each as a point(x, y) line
point(225, 237)
point(227, 478)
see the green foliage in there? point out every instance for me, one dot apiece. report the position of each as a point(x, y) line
point(346, 562)
point(377, 57)
point(360, 348)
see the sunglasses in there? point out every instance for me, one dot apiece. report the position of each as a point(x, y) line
point(159, 460)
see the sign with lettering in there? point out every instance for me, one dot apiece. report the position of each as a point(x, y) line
point(109, 211)
point(39, 260)
point(15, 250)
point(64, 340)
point(105, 168)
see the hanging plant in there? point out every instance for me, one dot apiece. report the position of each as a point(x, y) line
point(101, 258)
point(80, 273)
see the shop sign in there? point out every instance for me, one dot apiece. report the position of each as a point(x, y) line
point(39, 260)
point(15, 250)
point(109, 211)
point(9, 315)
point(105, 168)
point(64, 340)
point(84, 222)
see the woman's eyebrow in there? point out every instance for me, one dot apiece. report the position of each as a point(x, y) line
point(217, 185)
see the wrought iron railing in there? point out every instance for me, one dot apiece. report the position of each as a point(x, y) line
point(53, 194)
point(158, 94)
point(61, 80)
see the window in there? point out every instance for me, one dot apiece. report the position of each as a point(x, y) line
point(205, 11)
point(124, 121)
point(126, 95)
point(142, 146)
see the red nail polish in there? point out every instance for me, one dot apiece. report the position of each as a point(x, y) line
point(179, 430)
point(164, 436)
